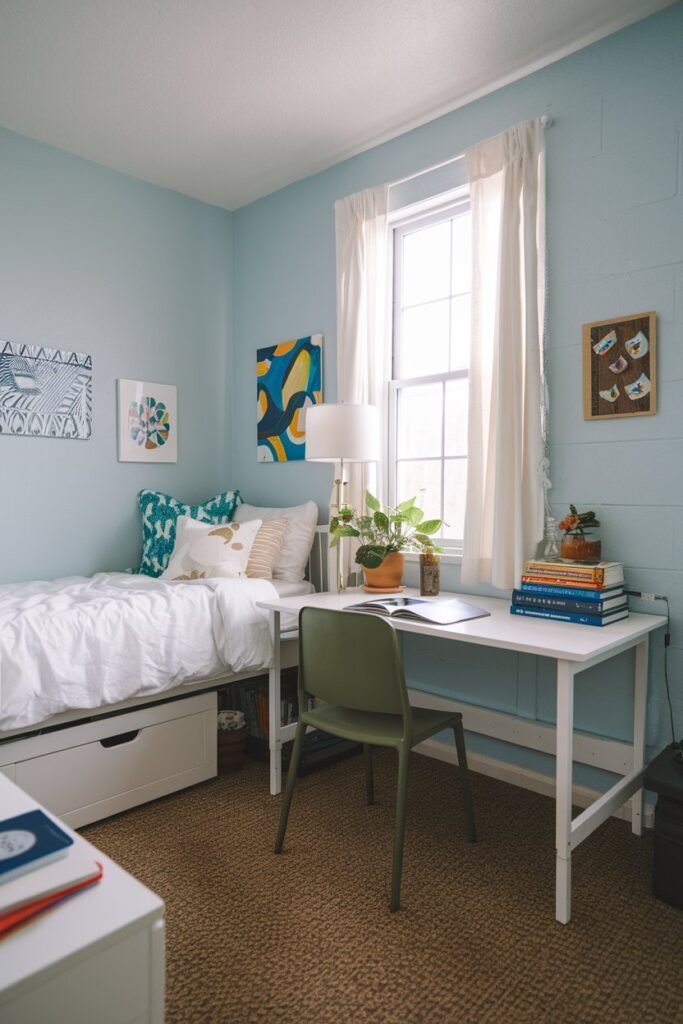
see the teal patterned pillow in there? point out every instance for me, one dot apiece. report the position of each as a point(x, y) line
point(159, 515)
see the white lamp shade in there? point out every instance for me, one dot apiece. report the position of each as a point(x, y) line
point(349, 432)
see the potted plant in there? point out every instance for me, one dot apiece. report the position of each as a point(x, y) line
point(579, 543)
point(385, 533)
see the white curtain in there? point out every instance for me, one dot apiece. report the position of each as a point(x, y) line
point(362, 240)
point(504, 512)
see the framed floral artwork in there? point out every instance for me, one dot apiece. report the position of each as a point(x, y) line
point(148, 422)
point(620, 367)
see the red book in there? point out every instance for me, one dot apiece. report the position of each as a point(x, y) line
point(12, 920)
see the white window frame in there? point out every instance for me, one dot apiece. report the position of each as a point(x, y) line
point(431, 211)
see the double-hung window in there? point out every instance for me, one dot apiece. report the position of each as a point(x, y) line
point(428, 388)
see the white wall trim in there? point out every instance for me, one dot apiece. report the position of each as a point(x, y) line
point(536, 782)
point(609, 755)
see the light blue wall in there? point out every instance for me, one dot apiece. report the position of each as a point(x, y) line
point(141, 279)
point(615, 230)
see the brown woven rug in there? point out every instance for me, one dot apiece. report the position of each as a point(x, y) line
point(307, 937)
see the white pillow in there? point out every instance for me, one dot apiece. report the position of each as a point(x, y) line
point(303, 519)
point(203, 550)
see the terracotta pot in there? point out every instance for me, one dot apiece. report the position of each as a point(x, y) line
point(580, 549)
point(388, 575)
point(231, 748)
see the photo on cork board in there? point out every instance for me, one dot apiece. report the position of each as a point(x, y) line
point(620, 367)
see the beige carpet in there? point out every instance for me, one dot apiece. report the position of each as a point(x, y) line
point(307, 937)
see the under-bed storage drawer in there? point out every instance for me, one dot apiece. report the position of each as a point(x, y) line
point(100, 768)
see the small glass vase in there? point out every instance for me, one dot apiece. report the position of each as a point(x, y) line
point(581, 547)
point(430, 574)
point(550, 548)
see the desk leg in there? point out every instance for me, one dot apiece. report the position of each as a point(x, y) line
point(274, 737)
point(563, 791)
point(157, 972)
point(639, 718)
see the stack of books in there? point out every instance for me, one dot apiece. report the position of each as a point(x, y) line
point(592, 595)
point(39, 867)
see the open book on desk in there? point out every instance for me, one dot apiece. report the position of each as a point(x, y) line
point(442, 613)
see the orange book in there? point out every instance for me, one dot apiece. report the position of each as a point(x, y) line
point(12, 920)
point(602, 573)
point(562, 581)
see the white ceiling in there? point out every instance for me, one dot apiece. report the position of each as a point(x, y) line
point(228, 100)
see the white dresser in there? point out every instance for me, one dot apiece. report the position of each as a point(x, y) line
point(97, 958)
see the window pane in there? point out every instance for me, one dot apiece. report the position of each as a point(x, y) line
point(455, 481)
point(462, 254)
point(460, 332)
point(457, 394)
point(420, 411)
point(424, 340)
point(423, 481)
point(426, 264)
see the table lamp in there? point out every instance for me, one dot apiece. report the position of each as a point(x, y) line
point(342, 433)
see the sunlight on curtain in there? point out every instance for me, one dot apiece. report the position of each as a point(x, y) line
point(504, 514)
point(362, 247)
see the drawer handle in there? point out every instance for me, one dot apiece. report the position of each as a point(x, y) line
point(123, 737)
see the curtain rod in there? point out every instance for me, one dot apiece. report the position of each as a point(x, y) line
point(546, 122)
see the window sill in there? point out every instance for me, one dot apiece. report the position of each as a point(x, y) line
point(452, 557)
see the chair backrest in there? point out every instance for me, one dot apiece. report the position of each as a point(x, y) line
point(351, 659)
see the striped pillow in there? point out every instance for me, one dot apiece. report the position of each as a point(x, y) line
point(266, 548)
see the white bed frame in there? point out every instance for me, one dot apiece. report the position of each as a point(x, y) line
point(87, 764)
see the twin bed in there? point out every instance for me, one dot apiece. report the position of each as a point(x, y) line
point(108, 684)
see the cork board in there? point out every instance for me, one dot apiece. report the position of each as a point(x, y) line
point(620, 367)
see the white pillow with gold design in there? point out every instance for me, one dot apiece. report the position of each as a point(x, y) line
point(205, 550)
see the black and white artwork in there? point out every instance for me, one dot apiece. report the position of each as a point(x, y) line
point(45, 392)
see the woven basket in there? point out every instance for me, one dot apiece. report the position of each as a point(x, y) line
point(231, 748)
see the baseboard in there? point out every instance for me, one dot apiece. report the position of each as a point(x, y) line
point(536, 782)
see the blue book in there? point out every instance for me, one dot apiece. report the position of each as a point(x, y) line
point(30, 841)
point(553, 602)
point(577, 593)
point(584, 620)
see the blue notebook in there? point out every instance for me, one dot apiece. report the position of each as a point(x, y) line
point(30, 841)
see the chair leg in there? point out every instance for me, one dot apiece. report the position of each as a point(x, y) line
point(399, 829)
point(369, 779)
point(291, 779)
point(465, 780)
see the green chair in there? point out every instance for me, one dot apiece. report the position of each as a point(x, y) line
point(352, 662)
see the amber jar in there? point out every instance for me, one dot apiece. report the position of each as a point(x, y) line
point(580, 547)
point(430, 574)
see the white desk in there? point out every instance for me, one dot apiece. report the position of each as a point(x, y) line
point(98, 957)
point(573, 647)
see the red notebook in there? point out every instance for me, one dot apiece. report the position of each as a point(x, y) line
point(12, 920)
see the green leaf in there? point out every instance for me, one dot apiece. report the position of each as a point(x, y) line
point(372, 502)
point(422, 538)
point(381, 521)
point(430, 526)
point(346, 531)
point(415, 515)
point(400, 517)
point(334, 542)
point(371, 555)
point(405, 505)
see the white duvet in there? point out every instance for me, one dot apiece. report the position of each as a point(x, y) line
point(84, 643)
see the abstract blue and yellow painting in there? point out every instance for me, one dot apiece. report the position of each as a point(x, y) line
point(289, 377)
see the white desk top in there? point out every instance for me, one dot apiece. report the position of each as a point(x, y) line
point(544, 637)
point(111, 907)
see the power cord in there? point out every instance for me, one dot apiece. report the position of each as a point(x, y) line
point(644, 596)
